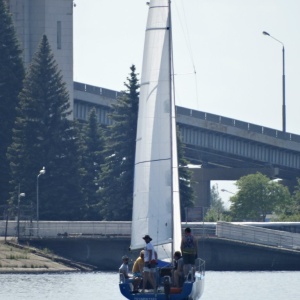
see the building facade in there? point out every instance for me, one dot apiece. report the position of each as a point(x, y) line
point(54, 18)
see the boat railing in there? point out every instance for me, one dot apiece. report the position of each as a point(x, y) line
point(121, 278)
point(200, 266)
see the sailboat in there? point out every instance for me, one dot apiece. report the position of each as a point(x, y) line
point(156, 203)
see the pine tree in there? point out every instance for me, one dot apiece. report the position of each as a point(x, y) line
point(116, 184)
point(92, 147)
point(43, 136)
point(185, 179)
point(11, 76)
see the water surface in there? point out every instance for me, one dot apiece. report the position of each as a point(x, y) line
point(104, 286)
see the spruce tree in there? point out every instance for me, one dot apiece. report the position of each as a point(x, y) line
point(11, 76)
point(185, 178)
point(116, 184)
point(92, 148)
point(44, 136)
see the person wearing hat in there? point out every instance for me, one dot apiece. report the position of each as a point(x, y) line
point(124, 270)
point(149, 263)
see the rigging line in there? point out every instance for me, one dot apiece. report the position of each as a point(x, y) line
point(179, 74)
point(189, 47)
point(186, 35)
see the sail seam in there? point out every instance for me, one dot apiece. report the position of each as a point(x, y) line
point(158, 6)
point(146, 161)
point(158, 28)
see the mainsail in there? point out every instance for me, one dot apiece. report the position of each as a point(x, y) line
point(156, 209)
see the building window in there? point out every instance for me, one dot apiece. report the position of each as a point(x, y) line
point(58, 34)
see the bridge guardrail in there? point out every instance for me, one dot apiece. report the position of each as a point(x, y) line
point(238, 124)
point(52, 229)
point(258, 235)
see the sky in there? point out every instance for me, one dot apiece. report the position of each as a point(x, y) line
point(223, 63)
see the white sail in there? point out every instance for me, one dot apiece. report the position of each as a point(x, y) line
point(156, 188)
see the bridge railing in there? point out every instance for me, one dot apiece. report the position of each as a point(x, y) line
point(96, 90)
point(52, 229)
point(258, 235)
point(238, 124)
point(199, 114)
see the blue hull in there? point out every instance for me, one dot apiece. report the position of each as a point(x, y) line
point(191, 290)
point(185, 292)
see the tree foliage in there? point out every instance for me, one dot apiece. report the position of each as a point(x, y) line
point(291, 212)
point(116, 183)
point(185, 178)
point(43, 136)
point(257, 197)
point(11, 76)
point(92, 159)
point(216, 211)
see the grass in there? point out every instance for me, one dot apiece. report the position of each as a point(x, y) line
point(16, 259)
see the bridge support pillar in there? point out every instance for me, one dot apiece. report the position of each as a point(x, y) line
point(201, 184)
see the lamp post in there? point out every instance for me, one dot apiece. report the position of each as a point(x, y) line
point(42, 172)
point(223, 190)
point(18, 221)
point(283, 81)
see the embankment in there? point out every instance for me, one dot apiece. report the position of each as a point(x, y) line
point(220, 254)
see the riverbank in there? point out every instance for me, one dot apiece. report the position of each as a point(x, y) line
point(15, 258)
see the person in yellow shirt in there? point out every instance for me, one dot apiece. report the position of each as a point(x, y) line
point(137, 269)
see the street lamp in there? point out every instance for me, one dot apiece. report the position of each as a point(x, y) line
point(18, 224)
point(42, 172)
point(223, 190)
point(283, 82)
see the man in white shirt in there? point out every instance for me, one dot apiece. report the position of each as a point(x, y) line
point(124, 270)
point(150, 263)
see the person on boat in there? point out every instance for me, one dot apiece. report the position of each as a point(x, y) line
point(138, 266)
point(150, 263)
point(124, 271)
point(178, 269)
point(189, 249)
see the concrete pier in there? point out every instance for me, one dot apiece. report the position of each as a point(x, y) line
point(220, 254)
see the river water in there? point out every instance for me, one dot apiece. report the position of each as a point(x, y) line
point(104, 286)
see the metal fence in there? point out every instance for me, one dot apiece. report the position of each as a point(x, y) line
point(51, 229)
point(258, 235)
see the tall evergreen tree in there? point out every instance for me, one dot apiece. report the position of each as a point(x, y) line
point(92, 147)
point(11, 76)
point(116, 184)
point(43, 136)
point(185, 178)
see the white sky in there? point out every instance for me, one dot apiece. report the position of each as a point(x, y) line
point(238, 69)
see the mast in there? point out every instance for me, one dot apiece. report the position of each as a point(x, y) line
point(171, 117)
point(176, 229)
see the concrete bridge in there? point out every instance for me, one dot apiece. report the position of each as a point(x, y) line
point(224, 246)
point(225, 148)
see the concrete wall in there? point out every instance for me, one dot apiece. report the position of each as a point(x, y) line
point(219, 254)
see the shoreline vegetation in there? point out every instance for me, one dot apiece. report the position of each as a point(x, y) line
point(16, 258)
